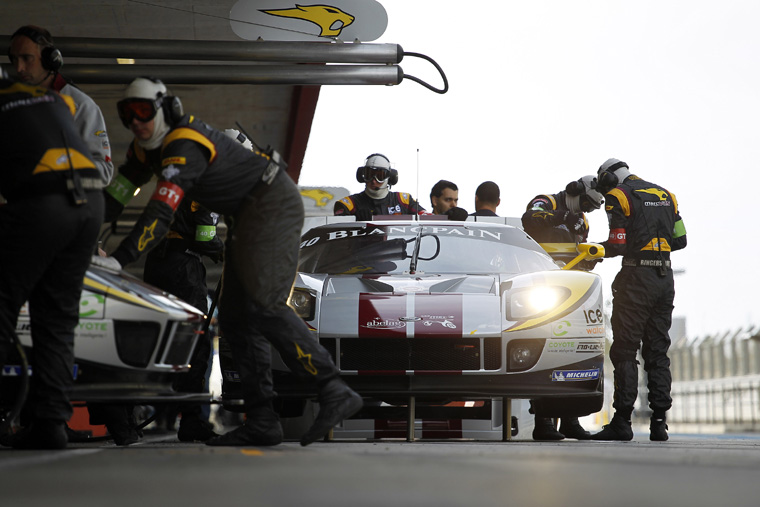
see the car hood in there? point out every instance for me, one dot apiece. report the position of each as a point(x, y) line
point(410, 306)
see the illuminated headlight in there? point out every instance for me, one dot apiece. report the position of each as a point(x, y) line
point(533, 302)
point(523, 354)
point(303, 302)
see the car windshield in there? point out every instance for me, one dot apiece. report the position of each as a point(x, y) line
point(390, 249)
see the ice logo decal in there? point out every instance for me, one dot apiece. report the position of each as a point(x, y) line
point(378, 323)
point(574, 375)
point(92, 306)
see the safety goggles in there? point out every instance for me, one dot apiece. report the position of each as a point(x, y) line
point(377, 173)
point(142, 109)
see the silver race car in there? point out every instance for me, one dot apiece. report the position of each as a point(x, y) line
point(428, 318)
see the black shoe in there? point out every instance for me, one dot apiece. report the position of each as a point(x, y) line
point(337, 402)
point(658, 430)
point(544, 430)
point(194, 429)
point(258, 433)
point(77, 436)
point(42, 434)
point(617, 429)
point(123, 433)
point(571, 428)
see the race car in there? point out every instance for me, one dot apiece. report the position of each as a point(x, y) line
point(439, 316)
point(131, 342)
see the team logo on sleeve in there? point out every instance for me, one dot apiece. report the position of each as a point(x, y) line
point(147, 236)
point(168, 193)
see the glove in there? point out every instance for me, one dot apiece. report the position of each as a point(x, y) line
point(108, 263)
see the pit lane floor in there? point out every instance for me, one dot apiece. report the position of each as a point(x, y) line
point(689, 470)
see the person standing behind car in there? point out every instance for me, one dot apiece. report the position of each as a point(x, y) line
point(377, 199)
point(443, 196)
point(487, 199)
point(645, 227)
point(37, 62)
point(264, 212)
point(560, 218)
point(49, 224)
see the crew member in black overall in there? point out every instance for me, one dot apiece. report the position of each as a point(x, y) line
point(377, 199)
point(264, 212)
point(49, 227)
point(560, 218)
point(645, 226)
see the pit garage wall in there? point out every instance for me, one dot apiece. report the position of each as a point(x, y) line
point(716, 380)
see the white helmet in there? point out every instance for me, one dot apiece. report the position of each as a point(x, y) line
point(611, 173)
point(239, 137)
point(582, 196)
point(152, 92)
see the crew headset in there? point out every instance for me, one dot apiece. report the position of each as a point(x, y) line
point(365, 173)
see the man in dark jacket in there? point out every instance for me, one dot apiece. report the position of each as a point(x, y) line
point(645, 226)
point(264, 212)
point(49, 226)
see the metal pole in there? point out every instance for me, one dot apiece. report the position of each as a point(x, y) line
point(240, 74)
point(258, 51)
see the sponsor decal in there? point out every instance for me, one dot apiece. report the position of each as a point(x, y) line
point(393, 231)
point(231, 375)
point(92, 306)
point(444, 323)
point(590, 347)
point(168, 193)
point(561, 328)
point(574, 375)
point(24, 327)
point(378, 323)
point(596, 330)
point(563, 347)
point(169, 172)
point(306, 361)
point(320, 197)
point(441, 315)
point(617, 236)
point(147, 236)
point(169, 161)
point(593, 316)
point(657, 203)
point(661, 194)
point(394, 210)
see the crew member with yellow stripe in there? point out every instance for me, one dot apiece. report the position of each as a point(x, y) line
point(48, 227)
point(264, 210)
point(645, 227)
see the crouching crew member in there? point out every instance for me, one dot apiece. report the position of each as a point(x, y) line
point(264, 212)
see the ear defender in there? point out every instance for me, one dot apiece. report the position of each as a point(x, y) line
point(173, 110)
point(392, 176)
point(574, 188)
point(50, 57)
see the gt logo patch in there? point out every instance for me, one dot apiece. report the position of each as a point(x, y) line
point(617, 236)
point(168, 193)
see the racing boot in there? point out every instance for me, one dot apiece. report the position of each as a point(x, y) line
point(544, 430)
point(337, 402)
point(658, 430)
point(571, 428)
point(194, 429)
point(42, 434)
point(261, 428)
point(618, 429)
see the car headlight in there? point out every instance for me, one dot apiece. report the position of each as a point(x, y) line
point(303, 301)
point(531, 302)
